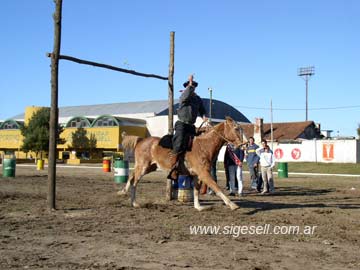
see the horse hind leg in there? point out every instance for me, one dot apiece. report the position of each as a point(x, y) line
point(138, 174)
point(125, 189)
point(131, 185)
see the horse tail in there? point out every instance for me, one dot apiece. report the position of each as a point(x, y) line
point(129, 141)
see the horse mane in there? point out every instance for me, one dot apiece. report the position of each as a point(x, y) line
point(129, 141)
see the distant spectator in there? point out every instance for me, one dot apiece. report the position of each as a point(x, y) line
point(260, 180)
point(267, 162)
point(252, 160)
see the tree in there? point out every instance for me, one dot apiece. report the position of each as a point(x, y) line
point(358, 131)
point(36, 132)
point(81, 143)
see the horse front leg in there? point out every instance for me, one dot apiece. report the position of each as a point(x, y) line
point(208, 180)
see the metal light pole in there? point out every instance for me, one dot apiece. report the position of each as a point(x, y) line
point(271, 125)
point(306, 73)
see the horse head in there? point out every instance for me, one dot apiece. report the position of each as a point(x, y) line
point(233, 132)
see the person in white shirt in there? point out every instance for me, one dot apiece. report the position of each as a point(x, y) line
point(267, 162)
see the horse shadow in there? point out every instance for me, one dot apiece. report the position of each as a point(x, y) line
point(300, 191)
point(260, 206)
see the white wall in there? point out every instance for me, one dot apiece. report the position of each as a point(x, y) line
point(328, 151)
point(158, 125)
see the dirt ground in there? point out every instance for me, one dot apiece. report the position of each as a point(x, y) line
point(94, 228)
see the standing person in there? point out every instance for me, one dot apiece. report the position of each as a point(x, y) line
point(233, 160)
point(190, 106)
point(260, 180)
point(227, 177)
point(252, 160)
point(267, 162)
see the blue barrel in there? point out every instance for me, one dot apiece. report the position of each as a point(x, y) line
point(184, 189)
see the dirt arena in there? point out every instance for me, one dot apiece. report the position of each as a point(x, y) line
point(93, 228)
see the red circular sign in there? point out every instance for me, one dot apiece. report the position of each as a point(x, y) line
point(296, 153)
point(279, 153)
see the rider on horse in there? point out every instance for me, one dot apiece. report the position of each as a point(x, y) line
point(190, 106)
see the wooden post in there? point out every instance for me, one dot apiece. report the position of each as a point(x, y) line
point(171, 106)
point(54, 106)
point(171, 85)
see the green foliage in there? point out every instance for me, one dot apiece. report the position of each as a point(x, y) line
point(92, 142)
point(358, 131)
point(36, 133)
point(81, 142)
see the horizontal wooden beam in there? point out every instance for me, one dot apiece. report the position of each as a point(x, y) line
point(86, 62)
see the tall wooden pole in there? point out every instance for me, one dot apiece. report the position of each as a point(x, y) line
point(171, 85)
point(168, 192)
point(54, 107)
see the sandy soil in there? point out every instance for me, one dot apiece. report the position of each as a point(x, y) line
point(94, 228)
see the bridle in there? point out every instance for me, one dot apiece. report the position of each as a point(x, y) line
point(220, 135)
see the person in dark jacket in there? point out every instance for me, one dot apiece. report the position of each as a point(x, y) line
point(233, 159)
point(190, 106)
point(252, 160)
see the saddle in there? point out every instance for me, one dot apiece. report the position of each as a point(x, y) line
point(166, 141)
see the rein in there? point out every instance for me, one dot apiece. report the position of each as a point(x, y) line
point(217, 133)
point(220, 135)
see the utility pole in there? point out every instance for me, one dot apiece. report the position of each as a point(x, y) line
point(271, 125)
point(306, 73)
point(210, 104)
point(171, 85)
point(54, 111)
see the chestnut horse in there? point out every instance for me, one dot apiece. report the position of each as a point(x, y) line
point(149, 156)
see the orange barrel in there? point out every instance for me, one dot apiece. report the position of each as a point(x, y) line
point(106, 165)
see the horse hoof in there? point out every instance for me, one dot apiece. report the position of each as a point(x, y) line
point(136, 205)
point(200, 208)
point(121, 193)
point(203, 208)
point(233, 206)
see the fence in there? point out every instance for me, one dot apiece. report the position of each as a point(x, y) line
point(327, 151)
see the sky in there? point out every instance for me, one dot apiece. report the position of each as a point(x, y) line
point(248, 52)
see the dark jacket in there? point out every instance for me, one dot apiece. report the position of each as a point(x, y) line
point(190, 106)
point(229, 160)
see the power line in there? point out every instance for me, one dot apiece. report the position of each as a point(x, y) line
point(297, 109)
